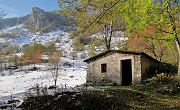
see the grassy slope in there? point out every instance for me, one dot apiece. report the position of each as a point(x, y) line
point(148, 98)
point(136, 97)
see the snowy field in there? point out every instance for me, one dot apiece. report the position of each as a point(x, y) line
point(16, 84)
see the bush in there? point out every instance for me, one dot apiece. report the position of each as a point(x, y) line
point(163, 68)
point(162, 79)
point(77, 45)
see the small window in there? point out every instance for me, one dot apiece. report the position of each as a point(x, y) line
point(103, 68)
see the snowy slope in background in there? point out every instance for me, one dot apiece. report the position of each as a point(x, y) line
point(27, 38)
point(15, 83)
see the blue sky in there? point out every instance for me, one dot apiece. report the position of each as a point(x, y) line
point(18, 8)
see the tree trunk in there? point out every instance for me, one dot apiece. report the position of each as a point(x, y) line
point(107, 33)
point(111, 34)
point(178, 47)
point(175, 33)
point(179, 71)
point(55, 82)
point(106, 37)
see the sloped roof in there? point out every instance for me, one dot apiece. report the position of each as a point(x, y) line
point(118, 51)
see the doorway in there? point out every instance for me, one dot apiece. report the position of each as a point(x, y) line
point(126, 67)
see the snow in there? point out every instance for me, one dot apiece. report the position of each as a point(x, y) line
point(18, 83)
point(27, 38)
point(21, 81)
point(15, 83)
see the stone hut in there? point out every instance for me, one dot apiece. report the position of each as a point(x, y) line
point(119, 67)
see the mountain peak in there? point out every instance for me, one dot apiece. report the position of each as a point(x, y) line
point(36, 10)
point(40, 20)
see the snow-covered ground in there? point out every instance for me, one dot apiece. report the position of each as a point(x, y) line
point(21, 81)
point(14, 83)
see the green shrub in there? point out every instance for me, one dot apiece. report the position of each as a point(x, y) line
point(162, 79)
point(77, 45)
point(163, 68)
point(166, 68)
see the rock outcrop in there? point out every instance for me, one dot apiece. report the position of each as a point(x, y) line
point(37, 19)
point(42, 21)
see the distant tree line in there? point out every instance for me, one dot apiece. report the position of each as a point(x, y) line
point(30, 54)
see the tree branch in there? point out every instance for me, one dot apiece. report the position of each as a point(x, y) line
point(159, 29)
point(102, 13)
point(158, 38)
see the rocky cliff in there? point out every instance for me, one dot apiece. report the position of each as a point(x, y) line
point(39, 20)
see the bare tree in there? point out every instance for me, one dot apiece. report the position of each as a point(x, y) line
point(2, 14)
point(54, 59)
point(107, 33)
point(73, 54)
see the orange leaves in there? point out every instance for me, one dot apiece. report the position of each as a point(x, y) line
point(27, 58)
point(148, 41)
point(149, 31)
point(37, 56)
point(33, 57)
point(145, 38)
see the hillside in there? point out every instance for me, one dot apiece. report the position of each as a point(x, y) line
point(72, 73)
point(15, 83)
point(9, 22)
point(39, 20)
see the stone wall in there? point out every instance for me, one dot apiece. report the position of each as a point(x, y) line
point(113, 73)
point(147, 62)
point(137, 69)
